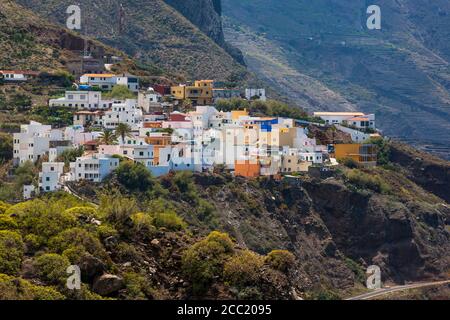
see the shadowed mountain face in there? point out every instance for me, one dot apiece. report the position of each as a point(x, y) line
point(321, 54)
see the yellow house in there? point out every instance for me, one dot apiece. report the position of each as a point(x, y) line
point(201, 93)
point(278, 137)
point(236, 114)
point(291, 163)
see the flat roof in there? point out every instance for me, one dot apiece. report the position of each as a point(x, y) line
point(97, 75)
point(356, 113)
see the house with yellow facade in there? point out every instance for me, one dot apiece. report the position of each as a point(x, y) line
point(201, 93)
point(364, 154)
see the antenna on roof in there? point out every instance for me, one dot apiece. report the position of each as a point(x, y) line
point(121, 16)
point(86, 53)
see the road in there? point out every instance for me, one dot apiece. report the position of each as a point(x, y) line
point(384, 291)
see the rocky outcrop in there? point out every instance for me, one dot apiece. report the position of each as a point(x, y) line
point(429, 172)
point(107, 285)
point(206, 15)
point(326, 223)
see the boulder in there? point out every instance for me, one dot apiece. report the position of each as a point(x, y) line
point(108, 284)
point(91, 267)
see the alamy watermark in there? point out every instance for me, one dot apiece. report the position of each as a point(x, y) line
point(374, 20)
point(74, 279)
point(73, 22)
point(374, 280)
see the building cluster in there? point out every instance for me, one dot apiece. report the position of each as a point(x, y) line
point(164, 140)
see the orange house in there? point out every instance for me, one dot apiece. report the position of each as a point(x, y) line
point(365, 154)
point(247, 169)
point(158, 142)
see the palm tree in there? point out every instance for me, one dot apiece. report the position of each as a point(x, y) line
point(123, 130)
point(107, 137)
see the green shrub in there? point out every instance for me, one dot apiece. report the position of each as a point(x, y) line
point(350, 163)
point(52, 268)
point(41, 218)
point(82, 212)
point(3, 207)
point(18, 289)
point(75, 253)
point(281, 260)
point(137, 287)
point(243, 269)
point(143, 222)
point(117, 209)
point(169, 220)
point(11, 252)
point(105, 231)
point(77, 237)
point(7, 223)
point(367, 181)
point(204, 261)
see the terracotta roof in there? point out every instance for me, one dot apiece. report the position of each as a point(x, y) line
point(91, 143)
point(33, 73)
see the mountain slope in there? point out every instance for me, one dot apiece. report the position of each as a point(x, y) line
point(401, 73)
point(31, 43)
point(151, 31)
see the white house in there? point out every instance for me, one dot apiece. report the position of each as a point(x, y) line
point(17, 75)
point(93, 168)
point(123, 112)
point(253, 93)
point(28, 191)
point(150, 101)
point(103, 81)
point(107, 81)
point(128, 80)
point(50, 176)
point(355, 119)
point(32, 143)
point(82, 100)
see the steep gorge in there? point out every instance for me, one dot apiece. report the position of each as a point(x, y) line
point(401, 72)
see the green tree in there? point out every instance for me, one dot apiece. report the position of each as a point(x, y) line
point(70, 155)
point(11, 252)
point(134, 176)
point(121, 92)
point(6, 147)
point(123, 130)
point(107, 137)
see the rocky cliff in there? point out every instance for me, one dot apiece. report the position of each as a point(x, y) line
point(206, 15)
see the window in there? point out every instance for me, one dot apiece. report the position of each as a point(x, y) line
point(47, 178)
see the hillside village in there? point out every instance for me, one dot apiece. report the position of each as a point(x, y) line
point(179, 128)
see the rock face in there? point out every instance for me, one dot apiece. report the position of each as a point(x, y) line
point(107, 285)
point(206, 15)
point(326, 223)
point(429, 172)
